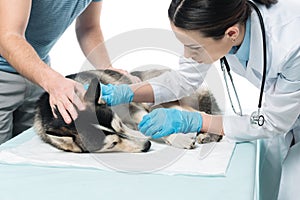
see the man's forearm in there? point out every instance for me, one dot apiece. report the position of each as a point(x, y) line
point(21, 55)
point(92, 44)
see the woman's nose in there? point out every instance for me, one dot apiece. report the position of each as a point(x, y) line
point(188, 53)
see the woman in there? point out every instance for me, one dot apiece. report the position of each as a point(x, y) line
point(210, 30)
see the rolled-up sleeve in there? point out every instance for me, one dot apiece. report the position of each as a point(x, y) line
point(175, 84)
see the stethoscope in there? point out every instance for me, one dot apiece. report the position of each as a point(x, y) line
point(256, 117)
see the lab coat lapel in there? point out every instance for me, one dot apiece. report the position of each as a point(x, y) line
point(255, 64)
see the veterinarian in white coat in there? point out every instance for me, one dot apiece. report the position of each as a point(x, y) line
point(238, 36)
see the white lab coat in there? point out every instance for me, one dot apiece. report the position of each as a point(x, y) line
point(281, 107)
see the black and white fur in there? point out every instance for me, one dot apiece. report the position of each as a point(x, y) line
point(101, 128)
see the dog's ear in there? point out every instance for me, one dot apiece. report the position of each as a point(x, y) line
point(94, 91)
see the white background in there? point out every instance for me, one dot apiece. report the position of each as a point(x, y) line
point(120, 16)
point(117, 17)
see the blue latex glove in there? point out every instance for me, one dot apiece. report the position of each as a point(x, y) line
point(163, 122)
point(116, 94)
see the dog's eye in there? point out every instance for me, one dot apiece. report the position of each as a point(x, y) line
point(112, 145)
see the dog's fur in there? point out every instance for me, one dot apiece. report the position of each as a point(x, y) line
point(100, 128)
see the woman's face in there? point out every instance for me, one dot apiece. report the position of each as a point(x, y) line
point(202, 49)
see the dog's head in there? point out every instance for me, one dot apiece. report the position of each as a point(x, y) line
point(97, 128)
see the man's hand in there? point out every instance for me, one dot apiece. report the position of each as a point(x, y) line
point(133, 79)
point(66, 95)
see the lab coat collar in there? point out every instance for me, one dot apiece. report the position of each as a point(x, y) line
point(243, 52)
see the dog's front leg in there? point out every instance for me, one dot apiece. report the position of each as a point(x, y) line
point(180, 140)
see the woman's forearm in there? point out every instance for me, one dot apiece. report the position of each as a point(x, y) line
point(143, 92)
point(212, 124)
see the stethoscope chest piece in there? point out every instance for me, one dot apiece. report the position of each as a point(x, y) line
point(256, 119)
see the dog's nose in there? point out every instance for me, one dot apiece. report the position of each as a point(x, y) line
point(146, 146)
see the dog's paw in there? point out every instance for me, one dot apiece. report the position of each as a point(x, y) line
point(182, 141)
point(203, 138)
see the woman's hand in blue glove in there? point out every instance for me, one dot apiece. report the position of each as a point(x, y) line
point(162, 122)
point(116, 94)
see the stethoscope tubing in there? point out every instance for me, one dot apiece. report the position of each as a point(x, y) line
point(256, 117)
point(223, 61)
point(263, 32)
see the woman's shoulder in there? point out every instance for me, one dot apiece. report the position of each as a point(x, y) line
point(282, 12)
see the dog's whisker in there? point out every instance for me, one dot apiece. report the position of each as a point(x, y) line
point(103, 128)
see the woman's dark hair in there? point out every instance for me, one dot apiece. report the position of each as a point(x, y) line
point(267, 3)
point(211, 17)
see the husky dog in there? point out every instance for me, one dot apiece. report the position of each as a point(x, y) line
point(101, 128)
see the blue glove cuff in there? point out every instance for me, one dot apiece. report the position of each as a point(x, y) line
point(193, 120)
point(116, 94)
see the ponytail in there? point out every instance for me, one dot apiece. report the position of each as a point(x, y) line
point(267, 3)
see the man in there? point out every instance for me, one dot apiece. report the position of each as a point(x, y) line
point(28, 31)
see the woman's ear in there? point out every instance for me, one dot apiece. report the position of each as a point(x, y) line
point(232, 33)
